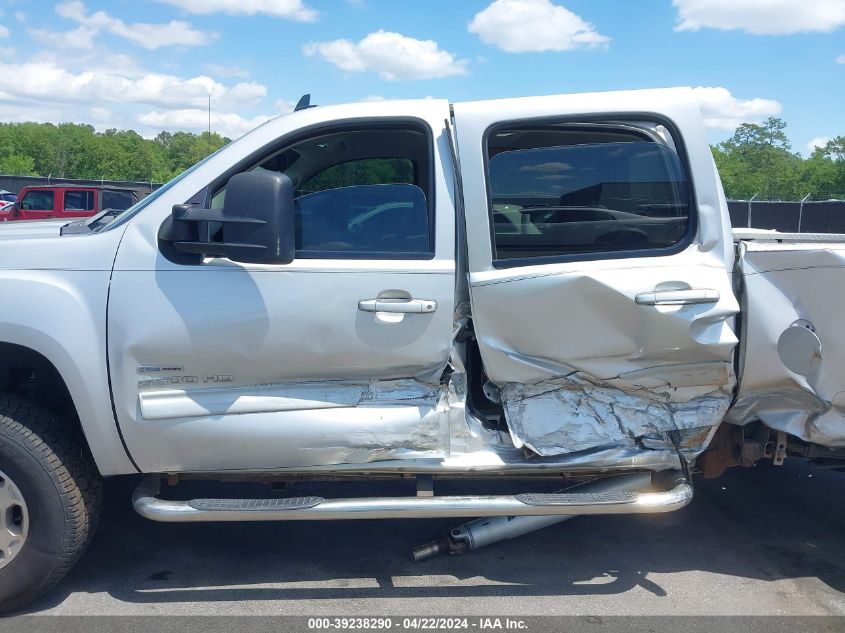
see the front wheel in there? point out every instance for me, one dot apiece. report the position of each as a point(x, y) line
point(50, 497)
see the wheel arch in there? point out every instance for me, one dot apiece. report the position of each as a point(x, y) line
point(35, 365)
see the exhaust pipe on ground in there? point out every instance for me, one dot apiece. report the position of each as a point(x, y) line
point(488, 530)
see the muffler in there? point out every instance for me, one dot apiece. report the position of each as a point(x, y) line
point(488, 530)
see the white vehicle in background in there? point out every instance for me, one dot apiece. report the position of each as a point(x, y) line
point(543, 288)
point(7, 198)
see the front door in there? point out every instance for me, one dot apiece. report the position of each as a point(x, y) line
point(600, 259)
point(334, 359)
point(38, 204)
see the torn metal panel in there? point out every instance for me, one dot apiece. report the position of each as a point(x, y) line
point(575, 413)
point(792, 371)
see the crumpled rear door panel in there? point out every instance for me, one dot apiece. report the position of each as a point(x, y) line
point(581, 364)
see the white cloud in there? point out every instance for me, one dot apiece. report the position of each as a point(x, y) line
point(761, 17)
point(46, 81)
point(283, 105)
point(392, 55)
point(246, 93)
point(20, 16)
point(108, 90)
point(819, 141)
point(196, 120)
point(81, 37)
point(101, 114)
point(225, 70)
point(290, 9)
point(722, 111)
point(373, 98)
point(840, 59)
point(520, 26)
point(4, 32)
point(150, 36)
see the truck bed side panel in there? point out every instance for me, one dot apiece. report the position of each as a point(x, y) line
point(793, 285)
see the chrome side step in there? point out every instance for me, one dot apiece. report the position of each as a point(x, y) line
point(148, 505)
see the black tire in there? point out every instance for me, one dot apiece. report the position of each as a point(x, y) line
point(48, 461)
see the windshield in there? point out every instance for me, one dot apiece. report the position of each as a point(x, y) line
point(126, 215)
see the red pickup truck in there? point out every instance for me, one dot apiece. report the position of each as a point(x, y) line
point(61, 201)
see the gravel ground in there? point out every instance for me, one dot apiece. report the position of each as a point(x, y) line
point(764, 541)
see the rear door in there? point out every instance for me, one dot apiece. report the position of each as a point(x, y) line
point(600, 259)
point(78, 203)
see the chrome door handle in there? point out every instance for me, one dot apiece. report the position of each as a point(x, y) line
point(692, 296)
point(403, 306)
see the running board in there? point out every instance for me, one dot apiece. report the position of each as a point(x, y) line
point(149, 506)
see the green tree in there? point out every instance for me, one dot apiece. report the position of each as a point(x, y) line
point(17, 164)
point(758, 160)
point(69, 150)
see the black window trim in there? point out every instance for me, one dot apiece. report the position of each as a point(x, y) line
point(330, 127)
point(605, 118)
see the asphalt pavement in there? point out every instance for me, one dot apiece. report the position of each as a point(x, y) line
point(762, 541)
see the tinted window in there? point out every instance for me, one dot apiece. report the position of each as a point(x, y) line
point(363, 219)
point(619, 195)
point(8, 197)
point(359, 192)
point(79, 201)
point(38, 201)
point(117, 199)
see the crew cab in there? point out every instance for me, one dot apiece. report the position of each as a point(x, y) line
point(40, 202)
point(545, 289)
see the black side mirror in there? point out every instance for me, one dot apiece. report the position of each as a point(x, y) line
point(255, 225)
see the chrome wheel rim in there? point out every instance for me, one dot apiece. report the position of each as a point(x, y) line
point(14, 520)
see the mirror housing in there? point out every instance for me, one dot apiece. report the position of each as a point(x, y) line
point(255, 226)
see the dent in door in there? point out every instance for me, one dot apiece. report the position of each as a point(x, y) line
point(603, 370)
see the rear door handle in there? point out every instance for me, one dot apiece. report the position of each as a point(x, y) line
point(403, 306)
point(692, 296)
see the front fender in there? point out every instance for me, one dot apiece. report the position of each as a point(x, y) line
point(59, 311)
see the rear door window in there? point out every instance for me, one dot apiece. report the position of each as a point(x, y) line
point(79, 200)
point(117, 199)
point(557, 194)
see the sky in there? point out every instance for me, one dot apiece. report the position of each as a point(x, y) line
point(150, 65)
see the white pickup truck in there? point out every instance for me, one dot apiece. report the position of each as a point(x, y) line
point(541, 288)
